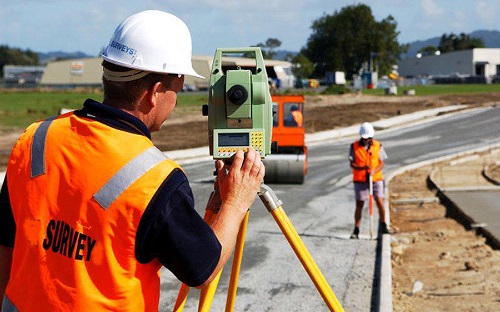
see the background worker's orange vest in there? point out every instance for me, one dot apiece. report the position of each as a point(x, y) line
point(297, 116)
point(77, 199)
point(362, 157)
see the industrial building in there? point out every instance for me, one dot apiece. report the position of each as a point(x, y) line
point(87, 72)
point(476, 65)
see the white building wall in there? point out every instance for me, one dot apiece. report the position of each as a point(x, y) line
point(202, 65)
point(86, 71)
point(491, 58)
point(285, 75)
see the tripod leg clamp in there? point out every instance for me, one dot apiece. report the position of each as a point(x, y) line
point(269, 198)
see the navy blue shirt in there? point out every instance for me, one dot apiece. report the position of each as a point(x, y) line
point(170, 229)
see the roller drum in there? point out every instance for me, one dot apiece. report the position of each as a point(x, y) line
point(282, 168)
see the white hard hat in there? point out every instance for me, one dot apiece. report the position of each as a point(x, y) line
point(366, 130)
point(152, 41)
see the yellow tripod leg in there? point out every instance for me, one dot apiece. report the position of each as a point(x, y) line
point(273, 205)
point(207, 294)
point(181, 298)
point(235, 270)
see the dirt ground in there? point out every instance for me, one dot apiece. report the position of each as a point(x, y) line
point(321, 113)
point(456, 269)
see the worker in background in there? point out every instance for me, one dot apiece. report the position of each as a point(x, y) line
point(295, 118)
point(272, 86)
point(367, 157)
point(90, 209)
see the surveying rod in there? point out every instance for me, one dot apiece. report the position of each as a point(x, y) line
point(274, 206)
point(370, 186)
point(370, 203)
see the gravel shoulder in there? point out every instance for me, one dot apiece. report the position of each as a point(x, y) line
point(437, 264)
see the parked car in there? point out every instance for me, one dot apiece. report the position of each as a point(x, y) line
point(188, 88)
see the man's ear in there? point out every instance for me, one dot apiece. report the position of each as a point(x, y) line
point(153, 93)
point(149, 98)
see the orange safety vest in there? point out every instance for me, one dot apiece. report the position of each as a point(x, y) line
point(362, 157)
point(78, 189)
point(297, 116)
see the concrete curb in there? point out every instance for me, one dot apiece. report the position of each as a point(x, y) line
point(407, 118)
point(385, 302)
point(486, 173)
point(397, 121)
point(454, 211)
point(191, 155)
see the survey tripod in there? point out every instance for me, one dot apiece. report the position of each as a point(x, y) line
point(274, 206)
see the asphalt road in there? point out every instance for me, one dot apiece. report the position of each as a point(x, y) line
point(272, 278)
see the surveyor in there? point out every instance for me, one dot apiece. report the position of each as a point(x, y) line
point(91, 209)
point(367, 158)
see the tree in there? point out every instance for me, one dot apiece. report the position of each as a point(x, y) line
point(12, 56)
point(349, 39)
point(302, 66)
point(268, 47)
point(452, 42)
point(428, 50)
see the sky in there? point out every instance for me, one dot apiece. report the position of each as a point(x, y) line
point(86, 26)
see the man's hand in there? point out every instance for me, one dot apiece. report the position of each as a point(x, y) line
point(239, 185)
point(357, 167)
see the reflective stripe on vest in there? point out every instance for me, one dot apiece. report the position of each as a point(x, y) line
point(127, 175)
point(8, 306)
point(38, 148)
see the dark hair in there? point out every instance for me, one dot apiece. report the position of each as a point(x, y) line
point(126, 94)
